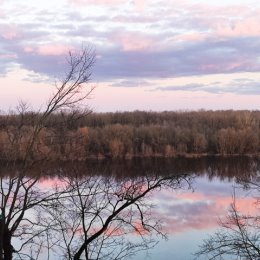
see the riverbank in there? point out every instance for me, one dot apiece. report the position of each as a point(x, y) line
point(131, 134)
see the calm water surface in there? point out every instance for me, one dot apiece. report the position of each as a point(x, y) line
point(192, 216)
point(188, 214)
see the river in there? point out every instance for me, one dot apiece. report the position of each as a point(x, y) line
point(188, 210)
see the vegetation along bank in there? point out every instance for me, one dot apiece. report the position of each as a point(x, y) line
point(78, 136)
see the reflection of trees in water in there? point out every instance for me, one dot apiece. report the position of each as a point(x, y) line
point(240, 168)
point(18, 195)
point(102, 212)
point(238, 236)
point(98, 204)
point(91, 217)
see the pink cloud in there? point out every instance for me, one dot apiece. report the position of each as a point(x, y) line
point(224, 66)
point(234, 65)
point(29, 49)
point(211, 11)
point(193, 37)
point(133, 41)
point(98, 2)
point(8, 56)
point(139, 5)
point(248, 27)
point(221, 21)
point(49, 49)
point(209, 67)
point(10, 32)
point(10, 35)
point(134, 19)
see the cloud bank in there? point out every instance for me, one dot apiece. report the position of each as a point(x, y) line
point(136, 39)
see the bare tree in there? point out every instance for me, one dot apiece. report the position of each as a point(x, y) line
point(104, 218)
point(70, 91)
point(18, 195)
point(238, 237)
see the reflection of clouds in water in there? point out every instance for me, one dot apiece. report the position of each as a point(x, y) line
point(200, 209)
point(190, 221)
point(183, 215)
point(49, 183)
point(197, 209)
point(213, 187)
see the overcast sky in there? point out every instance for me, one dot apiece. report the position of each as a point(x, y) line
point(151, 55)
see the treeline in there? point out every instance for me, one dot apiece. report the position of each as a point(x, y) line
point(132, 134)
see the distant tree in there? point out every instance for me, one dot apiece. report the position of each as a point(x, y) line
point(199, 143)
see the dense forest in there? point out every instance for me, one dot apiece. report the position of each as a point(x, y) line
point(77, 136)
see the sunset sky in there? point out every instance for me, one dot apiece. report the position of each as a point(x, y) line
point(151, 55)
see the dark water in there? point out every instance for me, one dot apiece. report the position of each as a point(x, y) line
point(188, 213)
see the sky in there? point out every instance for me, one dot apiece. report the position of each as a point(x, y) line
point(150, 55)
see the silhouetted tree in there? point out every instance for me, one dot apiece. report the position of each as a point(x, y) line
point(238, 237)
point(103, 217)
point(18, 195)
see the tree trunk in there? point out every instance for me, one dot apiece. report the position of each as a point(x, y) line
point(7, 246)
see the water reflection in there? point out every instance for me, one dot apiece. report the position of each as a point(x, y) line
point(240, 168)
point(85, 194)
point(85, 215)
